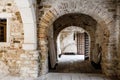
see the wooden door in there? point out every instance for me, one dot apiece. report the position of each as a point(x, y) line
point(80, 43)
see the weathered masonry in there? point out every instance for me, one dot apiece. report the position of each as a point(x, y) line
point(28, 27)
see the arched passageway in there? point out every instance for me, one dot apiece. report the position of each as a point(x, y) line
point(73, 51)
point(76, 19)
point(29, 34)
point(81, 20)
point(96, 32)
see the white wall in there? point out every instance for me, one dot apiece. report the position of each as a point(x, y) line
point(68, 44)
point(65, 40)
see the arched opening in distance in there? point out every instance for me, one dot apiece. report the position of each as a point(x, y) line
point(73, 41)
point(87, 23)
point(73, 45)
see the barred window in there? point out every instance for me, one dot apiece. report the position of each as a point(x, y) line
point(3, 30)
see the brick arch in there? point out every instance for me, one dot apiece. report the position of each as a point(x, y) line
point(65, 7)
point(74, 19)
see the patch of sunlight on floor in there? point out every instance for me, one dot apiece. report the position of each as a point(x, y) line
point(65, 58)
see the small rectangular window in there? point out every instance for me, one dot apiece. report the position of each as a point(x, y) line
point(3, 30)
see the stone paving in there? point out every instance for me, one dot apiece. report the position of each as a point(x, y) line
point(75, 76)
point(61, 76)
point(8, 77)
point(75, 64)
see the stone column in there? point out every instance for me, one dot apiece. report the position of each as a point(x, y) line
point(28, 15)
point(29, 59)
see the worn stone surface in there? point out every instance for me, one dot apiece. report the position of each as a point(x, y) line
point(61, 76)
point(19, 62)
point(10, 51)
point(13, 59)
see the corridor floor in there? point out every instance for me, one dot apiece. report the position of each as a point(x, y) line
point(61, 76)
point(74, 67)
point(74, 64)
point(75, 76)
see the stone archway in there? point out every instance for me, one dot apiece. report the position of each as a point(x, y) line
point(66, 7)
point(76, 19)
point(27, 10)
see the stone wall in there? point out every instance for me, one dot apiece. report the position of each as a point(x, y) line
point(67, 39)
point(13, 59)
point(10, 51)
point(68, 44)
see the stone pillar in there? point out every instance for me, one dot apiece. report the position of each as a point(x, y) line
point(28, 13)
point(29, 60)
